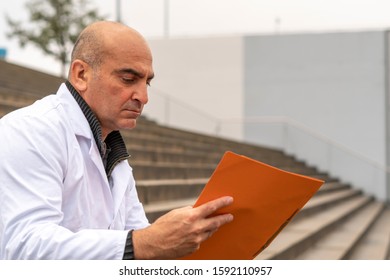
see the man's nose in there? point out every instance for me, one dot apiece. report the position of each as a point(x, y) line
point(141, 94)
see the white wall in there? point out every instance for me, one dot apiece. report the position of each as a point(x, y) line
point(206, 74)
point(333, 83)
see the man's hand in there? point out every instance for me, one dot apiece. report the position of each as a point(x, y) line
point(181, 231)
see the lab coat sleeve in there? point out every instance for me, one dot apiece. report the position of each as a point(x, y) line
point(32, 170)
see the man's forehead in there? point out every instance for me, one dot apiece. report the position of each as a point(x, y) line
point(130, 56)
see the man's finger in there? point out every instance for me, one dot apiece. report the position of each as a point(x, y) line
point(210, 207)
point(214, 223)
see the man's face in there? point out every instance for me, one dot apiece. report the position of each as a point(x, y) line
point(117, 91)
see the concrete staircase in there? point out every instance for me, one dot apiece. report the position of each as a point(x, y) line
point(171, 167)
point(339, 222)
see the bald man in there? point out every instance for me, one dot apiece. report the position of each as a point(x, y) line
point(66, 188)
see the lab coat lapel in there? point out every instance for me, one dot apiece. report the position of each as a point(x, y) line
point(120, 179)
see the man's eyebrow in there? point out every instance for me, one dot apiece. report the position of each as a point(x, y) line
point(134, 72)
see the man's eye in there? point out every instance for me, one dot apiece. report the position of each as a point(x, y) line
point(128, 80)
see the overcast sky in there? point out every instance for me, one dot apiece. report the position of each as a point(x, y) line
point(216, 18)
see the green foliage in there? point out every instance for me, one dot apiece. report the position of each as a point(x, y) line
point(54, 26)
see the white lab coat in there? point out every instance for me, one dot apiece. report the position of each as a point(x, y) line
point(55, 199)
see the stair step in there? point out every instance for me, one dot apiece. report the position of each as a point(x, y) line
point(299, 234)
point(321, 202)
point(155, 210)
point(6, 108)
point(329, 187)
point(150, 191)
point(172, 155)
point(27, 81)
point(158, 170)
point(324, 177)
point(338, 243)
point(145, 170)
point(376, 244)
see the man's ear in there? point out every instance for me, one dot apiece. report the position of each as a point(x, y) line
point(79, 74)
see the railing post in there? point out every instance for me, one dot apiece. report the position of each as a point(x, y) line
point(387, 184)
point(167, 110)
point(217, 128)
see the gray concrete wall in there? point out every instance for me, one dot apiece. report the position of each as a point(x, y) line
point(332, 85)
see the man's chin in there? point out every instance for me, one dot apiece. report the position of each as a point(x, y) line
point(129, 125)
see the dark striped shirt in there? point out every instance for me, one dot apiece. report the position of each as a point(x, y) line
point(113, 149)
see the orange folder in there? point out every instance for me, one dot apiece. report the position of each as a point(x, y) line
point(265, 200)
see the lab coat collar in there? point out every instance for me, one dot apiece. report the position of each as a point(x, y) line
point(75, 114)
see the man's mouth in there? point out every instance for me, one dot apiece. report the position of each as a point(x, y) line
point(134, 113)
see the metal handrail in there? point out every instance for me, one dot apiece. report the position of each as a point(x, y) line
point(291, 122)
